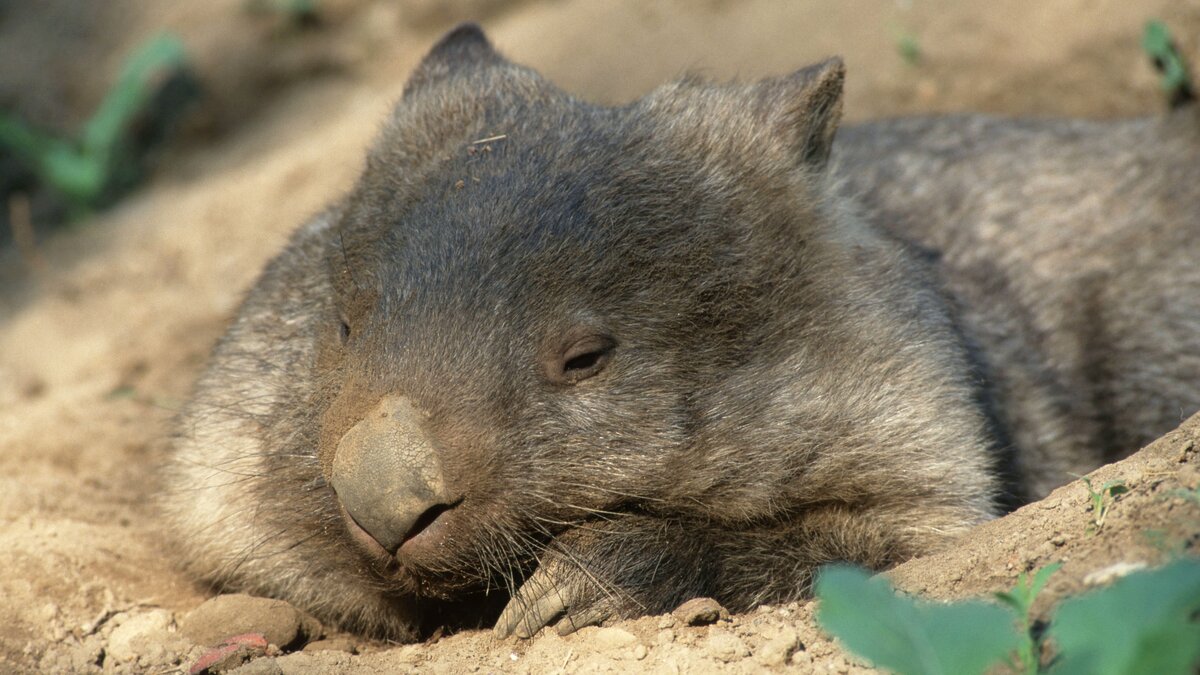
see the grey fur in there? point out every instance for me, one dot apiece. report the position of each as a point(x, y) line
point(791, 383)
point(1070, 250)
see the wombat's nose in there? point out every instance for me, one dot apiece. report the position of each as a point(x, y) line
point(387, 475)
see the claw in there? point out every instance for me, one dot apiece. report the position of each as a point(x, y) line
point(534, 606)
point(591, 616)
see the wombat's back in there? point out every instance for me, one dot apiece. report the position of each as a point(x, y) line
point(1070, 248)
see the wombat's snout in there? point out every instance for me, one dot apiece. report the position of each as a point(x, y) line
point(387, 475)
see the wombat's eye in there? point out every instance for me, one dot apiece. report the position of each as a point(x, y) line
point(581, 359)
point(343, 330)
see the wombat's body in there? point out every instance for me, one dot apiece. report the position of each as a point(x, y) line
point(1070, 248)
point(614, 358)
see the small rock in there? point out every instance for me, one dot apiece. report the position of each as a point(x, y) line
point(725, 647)
point(1059, 539)
point(137, 633)
point(259, 667)
point(237, 614)
point(664, 637)
point(802, 659)
point(666, 621)
point(776, 651)
point(337, 644)
point(612, 638)
point(231, 654)
point(699, 612)
point(640, 652)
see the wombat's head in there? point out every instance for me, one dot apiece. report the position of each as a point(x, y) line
point(535, 299)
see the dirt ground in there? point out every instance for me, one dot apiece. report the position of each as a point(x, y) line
point(104, 329)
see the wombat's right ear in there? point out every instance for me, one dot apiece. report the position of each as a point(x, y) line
point(806, 107)
point(465, 47)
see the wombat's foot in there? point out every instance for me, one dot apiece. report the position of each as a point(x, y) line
point(616, 569)
point(555, 596)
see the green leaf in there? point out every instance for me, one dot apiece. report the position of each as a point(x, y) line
point(1021, 597)
point(1157, 42)
point(909, 636)
point(130, 93)
point(1143, 623)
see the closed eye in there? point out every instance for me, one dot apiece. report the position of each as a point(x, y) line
point(584, 358)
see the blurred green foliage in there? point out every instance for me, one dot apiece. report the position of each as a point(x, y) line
point(102, 160)
point(1174, 77)
point(1145, 622)
point(909, 636)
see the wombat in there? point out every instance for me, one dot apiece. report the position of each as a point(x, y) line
point(550, 363)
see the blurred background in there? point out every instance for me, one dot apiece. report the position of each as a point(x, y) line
point(93, 95)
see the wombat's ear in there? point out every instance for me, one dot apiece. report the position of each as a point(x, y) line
point(464, 48)
point(808, 107)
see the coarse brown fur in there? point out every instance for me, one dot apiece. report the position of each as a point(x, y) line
point(801, 358)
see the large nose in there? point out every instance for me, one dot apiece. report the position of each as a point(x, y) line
point(387, 474)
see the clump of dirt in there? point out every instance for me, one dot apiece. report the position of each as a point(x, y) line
point(100, 344)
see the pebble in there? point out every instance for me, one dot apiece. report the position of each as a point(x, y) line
point(802, 659)
point(612, 638)
point(699, 612)
point(725, 647)
point(640, 652)
point(259, 667)
point(235, 614)
point(228, 656)
point(776, 651)
point(137, 634)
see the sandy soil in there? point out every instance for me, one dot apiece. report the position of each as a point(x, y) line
point(102, 334)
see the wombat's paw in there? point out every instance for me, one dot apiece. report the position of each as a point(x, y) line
point(625, 567)
point(559, 594)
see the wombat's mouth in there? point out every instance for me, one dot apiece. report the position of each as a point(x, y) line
point(439, 560)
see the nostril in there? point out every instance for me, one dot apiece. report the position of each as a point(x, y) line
point(385, 526)
point(365, 538)
point(426, 520)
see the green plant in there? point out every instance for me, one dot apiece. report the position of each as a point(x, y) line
point(910, 636)
point(1174, 79)
point(1145, 622)
point(1020, 599)
point(86, 168)
point(909, 48)
point(1103, 499)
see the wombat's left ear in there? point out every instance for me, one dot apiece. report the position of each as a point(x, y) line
point(807, 106)
point(464, 48)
